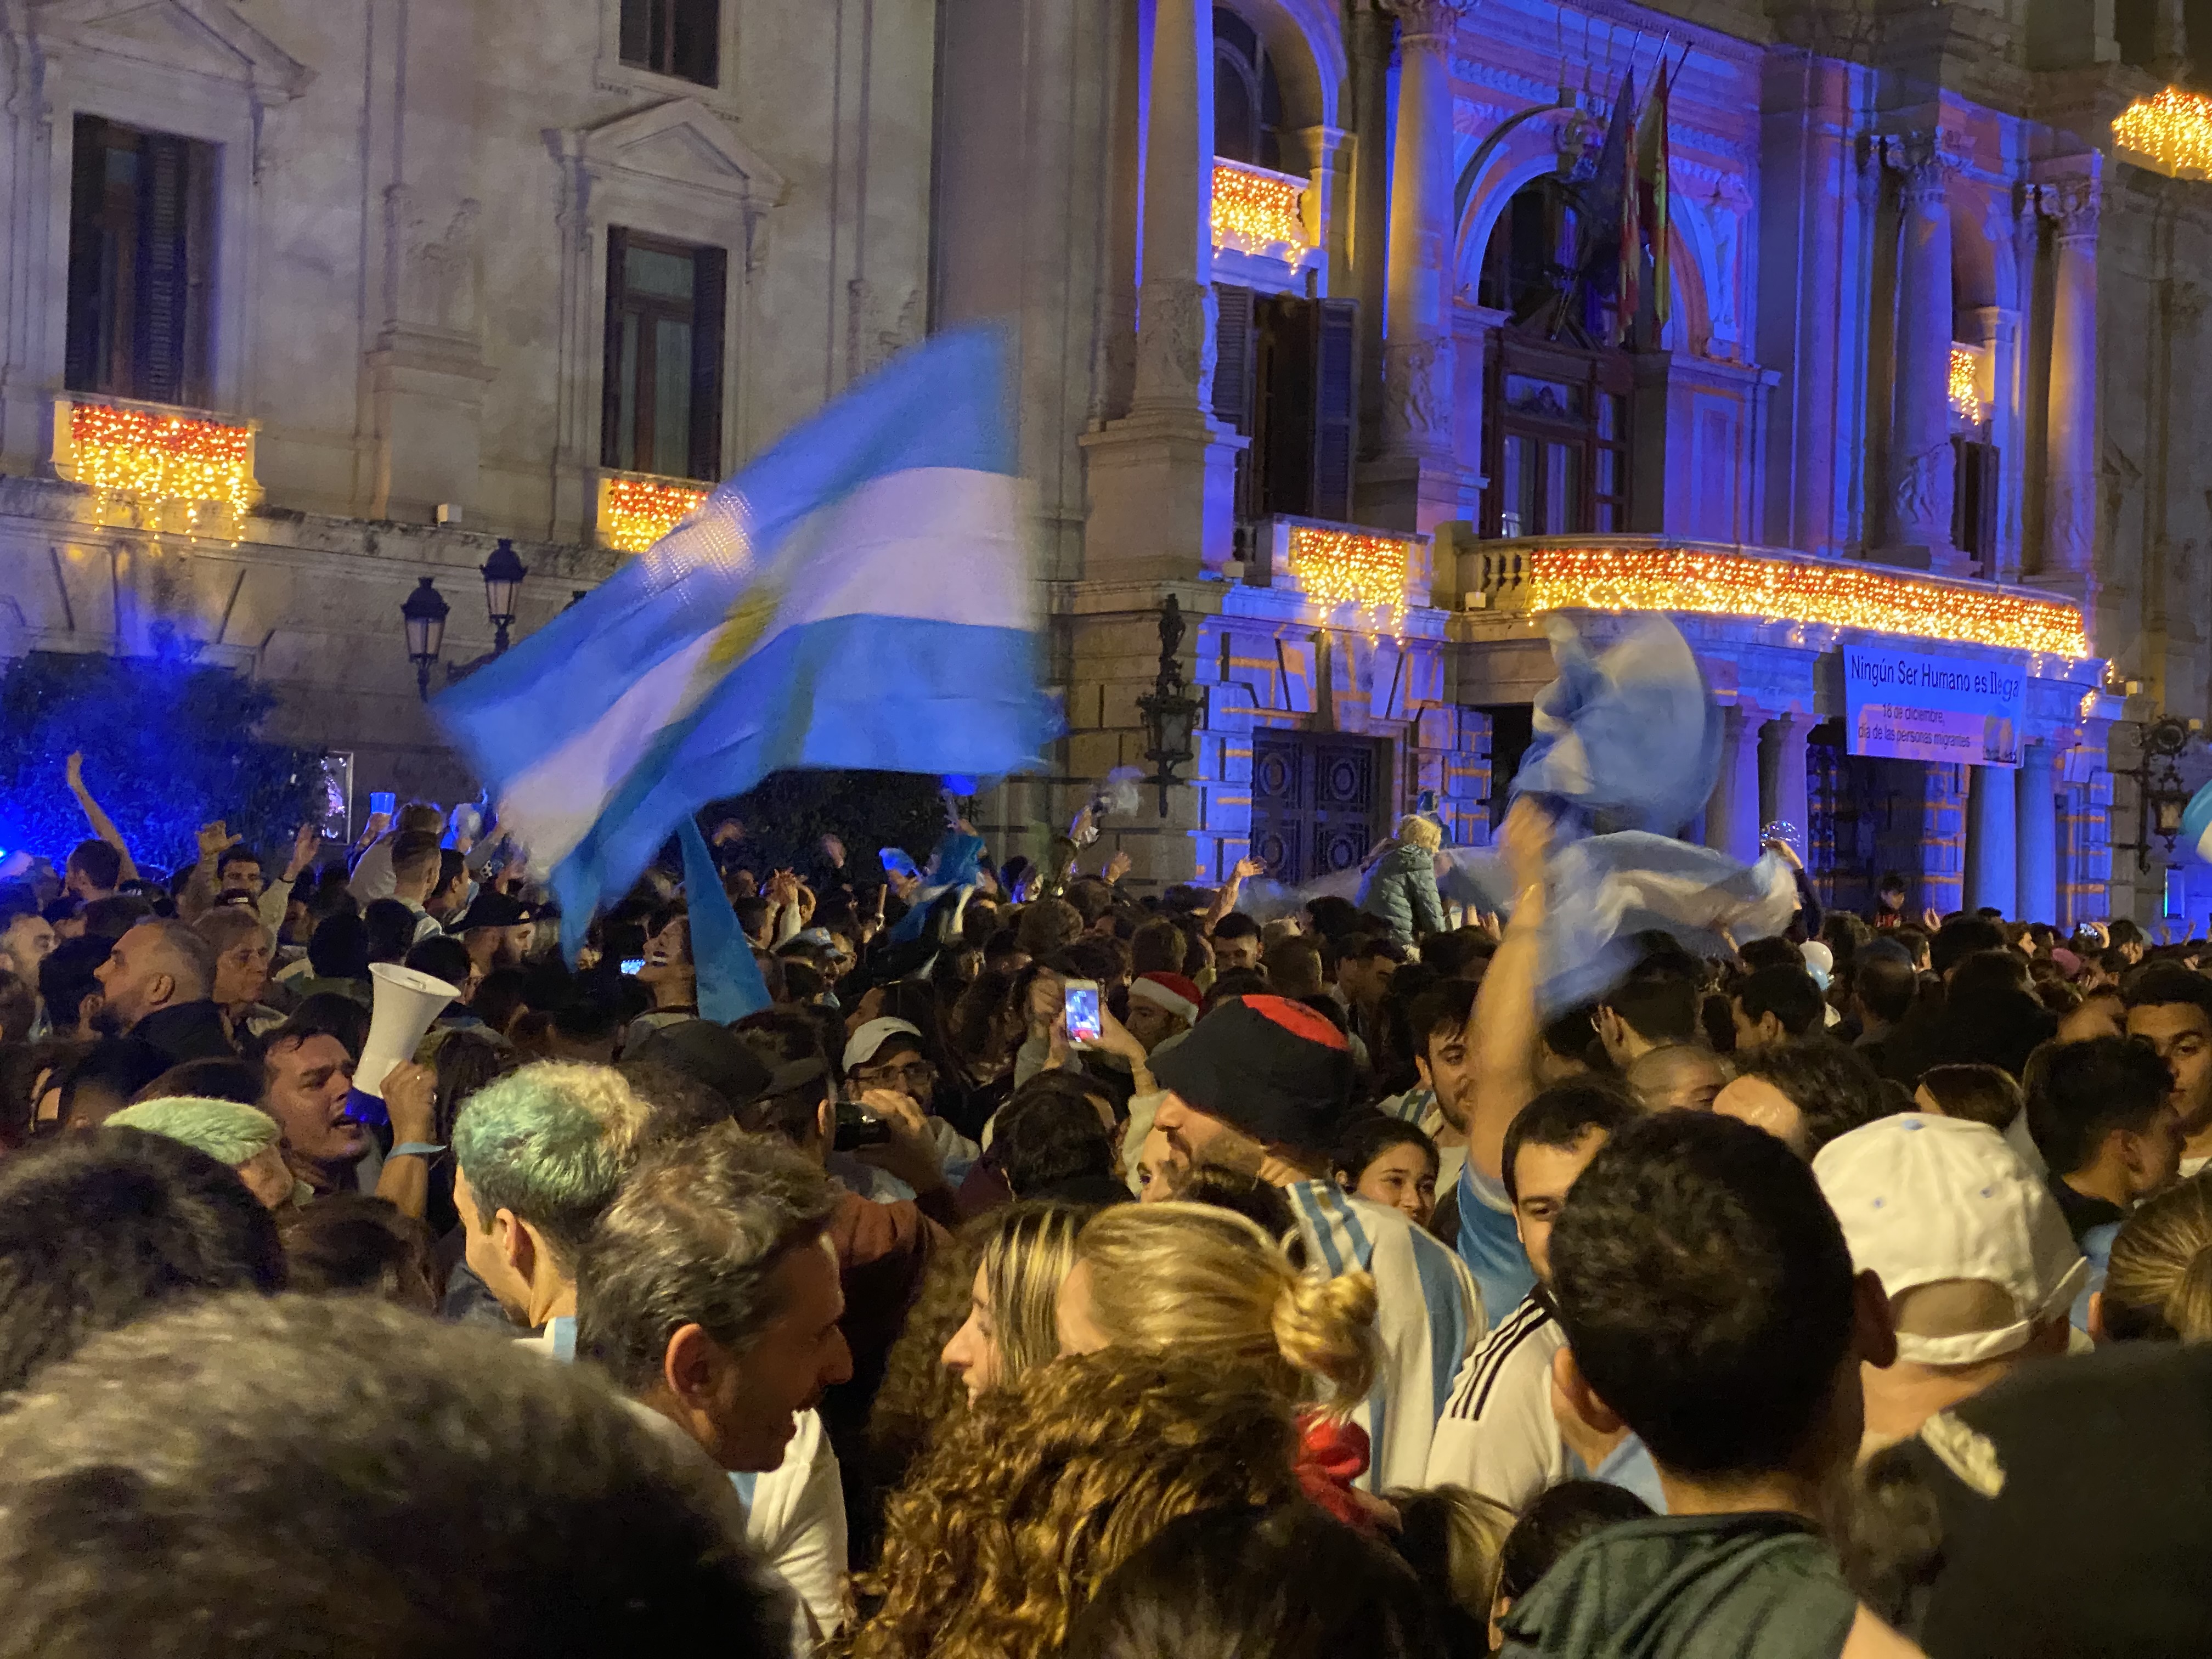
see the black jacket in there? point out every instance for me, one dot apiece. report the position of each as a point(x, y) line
point(190, 1030)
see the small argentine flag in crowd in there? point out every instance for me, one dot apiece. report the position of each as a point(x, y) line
point(861, 596)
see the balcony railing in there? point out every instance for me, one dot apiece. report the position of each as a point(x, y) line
point(636, 509)
point(1259, 212)
point(173, 468)
point(1654, 573)
point(1371, 573)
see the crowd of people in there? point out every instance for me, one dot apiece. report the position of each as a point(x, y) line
point(1838, 1296)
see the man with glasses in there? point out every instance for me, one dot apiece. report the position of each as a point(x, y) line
point(889, 1054)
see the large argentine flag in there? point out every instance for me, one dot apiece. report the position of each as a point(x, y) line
point(859, 597)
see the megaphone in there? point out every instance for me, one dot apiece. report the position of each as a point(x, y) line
point(406, 1002)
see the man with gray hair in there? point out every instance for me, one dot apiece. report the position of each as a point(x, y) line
point(538, 1155)
point(709, 1292)
point(157, 985)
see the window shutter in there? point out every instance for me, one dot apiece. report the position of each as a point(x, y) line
point(88, 241)
point(612, 389)
point(1232, 356)
point(1336, 405)
point(696, 49)
point(637, 33)
point(200, 274)
point(163, 270)
point(709, 279)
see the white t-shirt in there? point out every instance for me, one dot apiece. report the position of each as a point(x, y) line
point(1498, 1435)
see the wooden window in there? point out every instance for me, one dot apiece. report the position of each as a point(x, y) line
point(142, 258)
point(1247, 98)
point(680, 37)
point(1286, 376)
point(663, 405)
point(1558, 420)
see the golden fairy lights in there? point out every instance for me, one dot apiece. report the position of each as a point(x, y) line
point(1256, 211)
point(1343, 567)
point(639, 512)
point(163, 457)
point(1966, 395)
point(1682, 579)
point(2170, 131)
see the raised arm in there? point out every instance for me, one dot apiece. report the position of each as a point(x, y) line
point(1503, 1027)
point(102, 825)
point(1225, 900)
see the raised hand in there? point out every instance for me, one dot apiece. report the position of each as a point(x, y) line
point(214, 838)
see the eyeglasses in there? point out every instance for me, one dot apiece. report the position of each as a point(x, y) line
point(915, 1075)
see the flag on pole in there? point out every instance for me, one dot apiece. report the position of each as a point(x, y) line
point(729, 980)
point(1653, 157)
point(860, 596)
point(1612, 196)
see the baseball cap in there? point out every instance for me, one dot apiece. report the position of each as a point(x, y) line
point(1265, 1066)
point(1940, 1200)
point(861, 1048)
point(708, 1054)
point(1170, 991)
point(495, 909)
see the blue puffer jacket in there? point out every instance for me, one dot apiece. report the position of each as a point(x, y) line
point(1401, 890)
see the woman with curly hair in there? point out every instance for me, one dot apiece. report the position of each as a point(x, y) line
point(1024, 1506)
point(1209, 1284)
point(1011, 1325)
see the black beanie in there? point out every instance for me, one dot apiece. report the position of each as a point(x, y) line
point(1267, 1066)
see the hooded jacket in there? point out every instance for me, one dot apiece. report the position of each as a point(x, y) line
point(1715, 1587)
point(1401, 890)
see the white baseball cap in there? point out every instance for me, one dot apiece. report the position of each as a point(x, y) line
point(861, 1048)
point(1939, 1200)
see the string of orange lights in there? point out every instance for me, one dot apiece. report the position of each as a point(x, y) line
point(1255, 211)
point(639, 512)
point(1965, 393)
point(2172, 130)
point(1679, 579)
point(163, 457)
point(1343, 567)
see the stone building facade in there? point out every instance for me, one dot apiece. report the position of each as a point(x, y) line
point(300, 304)
point(1280, 268)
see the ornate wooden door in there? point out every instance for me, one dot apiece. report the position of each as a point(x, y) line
point(1317, 802)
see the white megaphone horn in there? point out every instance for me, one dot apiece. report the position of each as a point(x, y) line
point(406, 1002)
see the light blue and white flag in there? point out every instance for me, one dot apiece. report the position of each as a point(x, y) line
point(861, 596)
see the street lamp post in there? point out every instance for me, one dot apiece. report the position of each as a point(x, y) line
point(503, 579)
point(1171, 714)
point(425, 611)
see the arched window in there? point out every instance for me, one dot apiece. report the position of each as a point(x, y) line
point(1557, 406)
point(1248, 102)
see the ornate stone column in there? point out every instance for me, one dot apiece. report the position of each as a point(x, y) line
point(1732, 814)
point(1162, 480)
point(1174, 356)
point(2036, 822)
point(2070, 202)
point(1999, 333)
point(1782, 775)
point(1923, 473)
point(1415, 483)
point(1992, 877)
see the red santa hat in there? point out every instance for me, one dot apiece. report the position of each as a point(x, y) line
point(1170, 991)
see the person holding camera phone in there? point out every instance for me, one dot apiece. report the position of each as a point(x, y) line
point(887, 1056)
